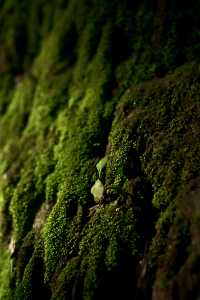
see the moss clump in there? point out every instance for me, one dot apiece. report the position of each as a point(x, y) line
point(67, 284)
point(32, 284)
point(24, 205)
point(61, 235)
point(109, 233)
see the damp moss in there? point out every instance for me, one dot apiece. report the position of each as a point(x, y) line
point(110, 231)
point(82, 81)
point(32, 283)
point(5, 274)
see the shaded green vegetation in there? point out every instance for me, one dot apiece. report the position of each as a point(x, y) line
point(99, 95)
point(5, 270)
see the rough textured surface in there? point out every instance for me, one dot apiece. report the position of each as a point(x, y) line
point(99, 91)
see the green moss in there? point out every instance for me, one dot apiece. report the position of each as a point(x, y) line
point(110, 231)
point(159, 242)
point(32, 284)
point(118, 158)
point(5, 274)
point(23, 205)
point(86, 97)
point(20, 107)
point(25, 253)
point(6, 92)
point(66, 284)
point(61, 235)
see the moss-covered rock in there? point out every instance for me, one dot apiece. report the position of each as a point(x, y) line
point(99, 149)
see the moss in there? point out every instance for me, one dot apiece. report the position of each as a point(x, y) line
point(66, 284)
point(5, 274)
point(61, 235)
point(159, 242)
point(118, 159)
point(44, 166)
point(24, 255)
point(20, 107)
point(82, 81)
point(6, 92)
point(6, 218)
point(32, 283)
point(110, 231)
point(23, 214)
